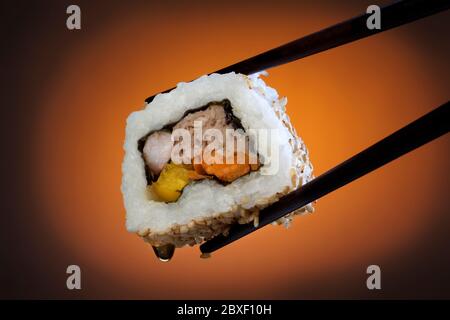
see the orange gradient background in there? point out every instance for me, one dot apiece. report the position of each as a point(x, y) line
point(340, 102)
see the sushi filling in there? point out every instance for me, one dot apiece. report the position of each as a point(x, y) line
point(207, 143)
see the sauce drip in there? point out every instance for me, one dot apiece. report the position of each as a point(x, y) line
point(165, 252)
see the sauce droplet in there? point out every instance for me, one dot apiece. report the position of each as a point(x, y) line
point(205, 255)
point(165, 252)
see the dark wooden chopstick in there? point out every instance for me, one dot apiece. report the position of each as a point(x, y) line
point(393, 15)
point(423, 130)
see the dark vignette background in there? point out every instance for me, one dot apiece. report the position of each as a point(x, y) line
point(33, 46)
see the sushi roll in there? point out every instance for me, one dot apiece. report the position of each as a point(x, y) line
point(206, 155)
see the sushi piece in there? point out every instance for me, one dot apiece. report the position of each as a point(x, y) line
point(206, 155)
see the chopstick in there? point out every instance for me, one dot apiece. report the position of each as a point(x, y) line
point(393, 15)
point(425, 129)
